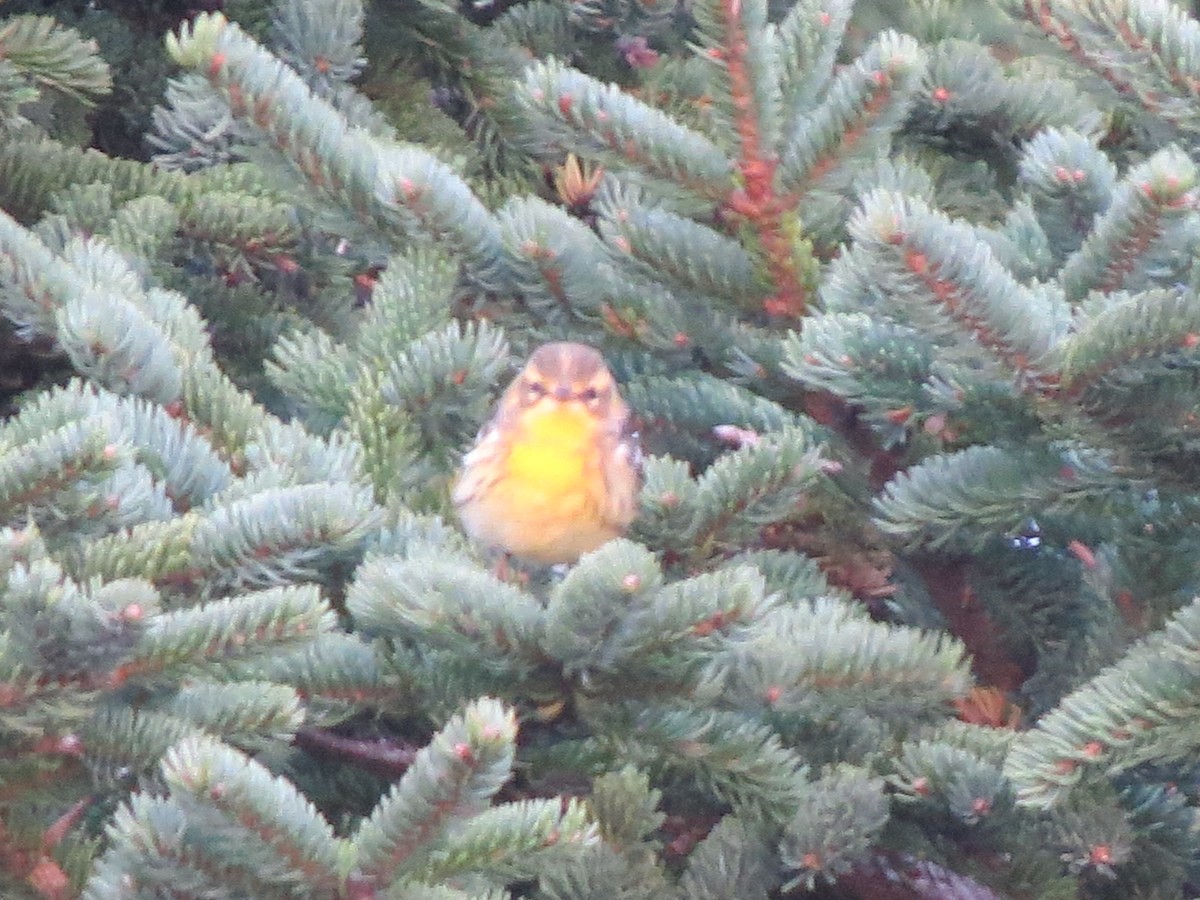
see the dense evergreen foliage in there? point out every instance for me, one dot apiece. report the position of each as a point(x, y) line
point(904, 298)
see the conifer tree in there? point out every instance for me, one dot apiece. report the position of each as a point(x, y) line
point(904, 303)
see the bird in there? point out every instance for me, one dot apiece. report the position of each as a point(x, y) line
point(556, 471)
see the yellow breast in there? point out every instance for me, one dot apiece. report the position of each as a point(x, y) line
point(554, 452)
point(547, 507)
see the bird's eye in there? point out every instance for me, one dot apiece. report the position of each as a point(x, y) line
point(535, 390)
point(589, 395)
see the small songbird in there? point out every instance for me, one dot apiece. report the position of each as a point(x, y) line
point(556, 471)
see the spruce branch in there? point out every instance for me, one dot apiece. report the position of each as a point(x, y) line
point(34, 172)
point(513, 841)
point(1127, 339)
point(698, 401)
point(612, 618)
point(1144, 227)
point(943, 277)
point(863, 106)
point(750, 488)
point(37, 474)
point(668, 503)
point(774, 220)
point(732, 758)
point(390, 448)
point(450, 781)
point(317, 372)
point(71, 663)
point(1147, 51)
point(399, 188)
point(193, 129)
point(692, 257)
point(585, 611)
point(207, 639)
point(115, 344)
point(537, 30)
point(1163, 35)
point(731, 37)
point(882, 367)
point(336, 674)
point(407, 533)
point(558, 265)
point(145, 227)
point(240, 225)
point(414, 295)
point(951, 499)
point(321, 40)
point(417, 890)
point(61, 638)
point(790, 574)
point(21, 546)
point(271, 537)
point(686, 621)
point(1069, 182)
point(667, 321)
point(55, 57)
point(422, 406)
point(808, 39)
point(122, 746)
point(386, 758)
point(157, 551)
point(1098, 841)
point(442, 601)
point(625, 808)
point(130, 339)
point(33, 282)
point(733, 860)
point(951, 780)
point(572, 111)
point(408, 376)
point(602, 872)
point(838, 818)
point(810, 660)
point(624, 811)
point(284, 454)
point(250, 713)
point(297, 845)
point(227, 822)
point(968, 88)
point(1144, 708)
point(225, 414)
point(439, 384)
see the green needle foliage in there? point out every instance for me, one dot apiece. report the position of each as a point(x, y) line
point(904, 302)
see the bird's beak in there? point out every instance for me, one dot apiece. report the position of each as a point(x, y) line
point(562, 392)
